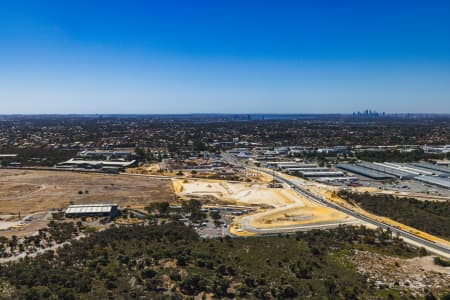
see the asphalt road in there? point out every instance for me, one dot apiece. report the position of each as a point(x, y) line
point(319, 199)
point(323, 201)
point(293, 228)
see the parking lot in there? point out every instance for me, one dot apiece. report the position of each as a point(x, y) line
point(403, 187)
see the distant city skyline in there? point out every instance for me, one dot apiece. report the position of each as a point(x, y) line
point(237, 57)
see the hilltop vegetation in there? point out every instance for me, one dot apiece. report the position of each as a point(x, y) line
point(40, 156)
point(429, 216)
point(170, 262)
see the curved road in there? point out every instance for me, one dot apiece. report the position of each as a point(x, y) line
point(440, 249)
point(323, 201)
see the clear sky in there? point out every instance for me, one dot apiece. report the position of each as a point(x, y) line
point(230, 56)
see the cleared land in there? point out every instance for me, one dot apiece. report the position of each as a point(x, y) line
point(32, 191)
point(297, 215)
point(278, 207)
point(235, 192)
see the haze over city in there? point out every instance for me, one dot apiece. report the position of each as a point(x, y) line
point(158, 57)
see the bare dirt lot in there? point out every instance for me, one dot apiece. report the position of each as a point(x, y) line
point(32, 191)
point(235, 192)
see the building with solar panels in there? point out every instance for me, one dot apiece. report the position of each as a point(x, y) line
point(92, 210)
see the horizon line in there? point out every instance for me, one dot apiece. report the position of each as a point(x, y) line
point(225, 114)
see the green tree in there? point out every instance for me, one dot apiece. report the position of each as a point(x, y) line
point(193, 284)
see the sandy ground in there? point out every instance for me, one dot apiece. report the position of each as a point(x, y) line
point(20, 229)
point(8, 224)
point(235, 193)
point(297, 215)
point(33, 191)
point(277, 207)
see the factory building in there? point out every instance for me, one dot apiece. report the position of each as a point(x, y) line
point(105, 155)
point(357, 169)
point(92, 210)
point(322, 174)
point(424, 172)
point(293, 170)
point(443, 170)
point(441, 182)
point(391, 169)
point(96, 164)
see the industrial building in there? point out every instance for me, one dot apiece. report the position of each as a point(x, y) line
point(390, 169)
point(437, 149)
point(317, 169)
point(423, 172)
point(282, 165)
point(337, 179)
point(380, 170)
point(360, 170)
point(105, 155)
point(437, 167)
point(96, 164)
point(296, 165)
point(438, 181)
point(279, 163)
point(239, 150)
point(92, 210)
point(322, 174)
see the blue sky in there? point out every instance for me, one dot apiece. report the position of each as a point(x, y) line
point(224, 56)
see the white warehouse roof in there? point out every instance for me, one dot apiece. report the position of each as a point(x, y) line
point(113, 163)
point(90, 208)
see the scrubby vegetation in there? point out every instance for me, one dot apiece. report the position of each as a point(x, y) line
point(36, 156)
point(396, 156)
point(170, 262)
point(430, 216)
point(442, 261)
point(56, 233)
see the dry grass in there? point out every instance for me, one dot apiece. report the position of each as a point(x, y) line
point(32, 191)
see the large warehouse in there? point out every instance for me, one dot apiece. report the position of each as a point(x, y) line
point(92, 210)
point(357, 169)
point(81, 163)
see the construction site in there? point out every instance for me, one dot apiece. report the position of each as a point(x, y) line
point(274, 209)
point(260, 203)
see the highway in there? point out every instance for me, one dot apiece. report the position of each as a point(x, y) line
point(245, 225)
point(433, 247)
point(438, 248)
point(323, 201)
